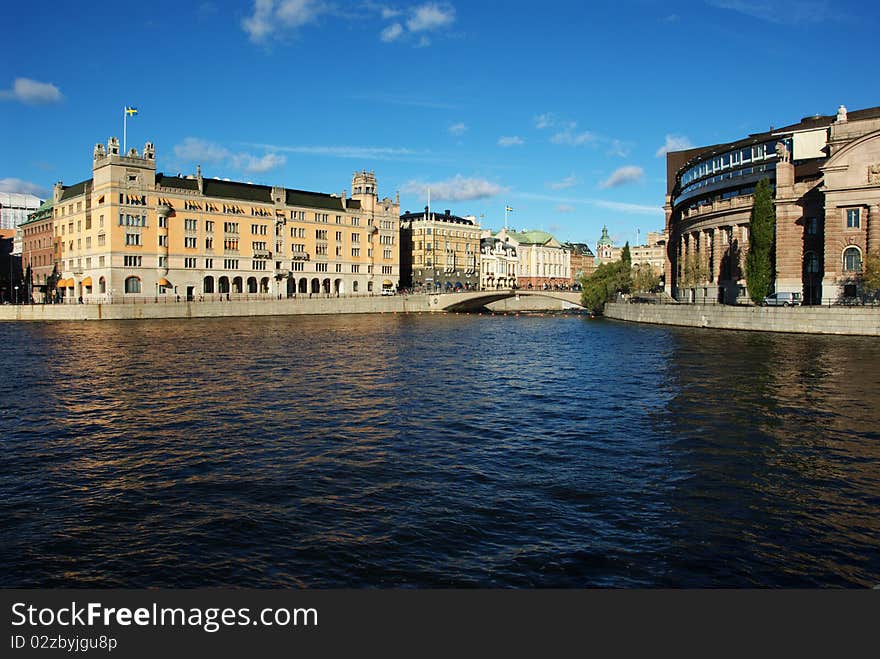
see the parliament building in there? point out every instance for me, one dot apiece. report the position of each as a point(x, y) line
point(825, 174)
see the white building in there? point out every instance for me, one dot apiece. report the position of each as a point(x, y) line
point(15, 208)
point(498, 261)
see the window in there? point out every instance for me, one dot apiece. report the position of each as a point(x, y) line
point(386, 269)
point(297, 266)
point(88, 242)
point(386, 254)
point(131, 261)
point(852, 260)
point(100, 261)
point(163, 241)
point(320, 267)
point(339, 219)
point(209, 263)
point(853, 219)
point(259, 265)
point(163, 222)
point(209, 243)
point(321, 250)
point(812, 226)
point(355, 237)
point(189, 262)
point(230, 264)
point(355, 251)
point(355, 221)
point(190, 225)
point(132, 285)
point(88, 222)
point(230, 227)
point(321, 234)
point(189, 242)
point(811, 263)
point(339, 250)
point(355, 269)
point(132, 239)
point(338, 267)
point(101, 221)
point(209, 225)
point(163, 261)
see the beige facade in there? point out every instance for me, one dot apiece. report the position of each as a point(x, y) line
point(132, 232)
point(826, 175)
point(652, 253)
point(440, 251)
point(543, 262)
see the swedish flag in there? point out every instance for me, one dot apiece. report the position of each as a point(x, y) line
point(508, 209)
point(130, 110)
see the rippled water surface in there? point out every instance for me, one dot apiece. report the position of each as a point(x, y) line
point(425, 451)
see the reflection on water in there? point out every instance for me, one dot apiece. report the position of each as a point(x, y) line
point(418, 450)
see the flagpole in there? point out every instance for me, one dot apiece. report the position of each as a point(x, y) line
point(124, 129)
point(506, 211)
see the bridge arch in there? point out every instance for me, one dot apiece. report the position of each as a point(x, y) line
point(478, 299)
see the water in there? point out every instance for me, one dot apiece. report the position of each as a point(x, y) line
point(435, 450)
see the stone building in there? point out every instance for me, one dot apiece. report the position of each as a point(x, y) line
point(498, 261)
point(825, 173)
point(130, 231)
point(543, 261)
point(606, 252)
point(652, 253)
point(583, 261)
point(439, 251)
point(39, 252)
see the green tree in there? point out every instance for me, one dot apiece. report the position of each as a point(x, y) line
point(645, 278)
point(871, 273)
point(604, 284)
point(625, 256)
point(759, 260)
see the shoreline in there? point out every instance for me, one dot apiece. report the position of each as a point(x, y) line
point(848, 321)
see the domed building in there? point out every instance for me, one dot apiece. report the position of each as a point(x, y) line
point(825, 176)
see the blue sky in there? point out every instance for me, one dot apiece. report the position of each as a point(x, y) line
point(560, 110)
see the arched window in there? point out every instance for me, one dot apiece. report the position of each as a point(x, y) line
point(852, 259)
point(354, 287)
point(132, 285)
point(102, 285)
point(811, 263)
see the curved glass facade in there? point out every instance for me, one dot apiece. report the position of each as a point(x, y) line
point(735, 167)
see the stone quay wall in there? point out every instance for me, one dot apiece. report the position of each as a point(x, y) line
point(215, 309)
point(860, 321)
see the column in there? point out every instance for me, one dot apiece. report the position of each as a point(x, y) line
point(873, 220)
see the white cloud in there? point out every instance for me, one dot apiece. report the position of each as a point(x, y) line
point(570, 137)
point(193, 149)
point(622, 176)
point(355, 152)
point(391, 33)
point(565, 208)
point(23, 187)
point(275, 16)
point(257, 165)
point(782, 12)
point(674, 143)
point(545, 120)
point(619, 148)
point(567, 182)
point(196, 150)
point(457, 130)
point(458, 188)
point(32, 92)
point(622, 207)
point(510, 140)
point(431, 16)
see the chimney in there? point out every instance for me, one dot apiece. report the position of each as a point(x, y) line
point(199, 179)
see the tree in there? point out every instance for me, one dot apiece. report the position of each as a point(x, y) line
point(625, 256)
point(604, 284)
point(759, 261)
point(871, 273)
point(645, 278)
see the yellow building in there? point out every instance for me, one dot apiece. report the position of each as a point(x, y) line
point(440, 252)
point(130, 232)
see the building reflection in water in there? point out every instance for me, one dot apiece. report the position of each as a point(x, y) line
point(775, 442)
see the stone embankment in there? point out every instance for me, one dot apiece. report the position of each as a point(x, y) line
point(217, 309)
point(861, 321)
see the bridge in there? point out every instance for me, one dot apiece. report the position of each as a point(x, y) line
point(476, 300)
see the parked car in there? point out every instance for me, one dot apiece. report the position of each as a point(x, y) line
point(387, 291)
point(783, 299)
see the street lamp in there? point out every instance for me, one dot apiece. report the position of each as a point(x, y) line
point(16, 295)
